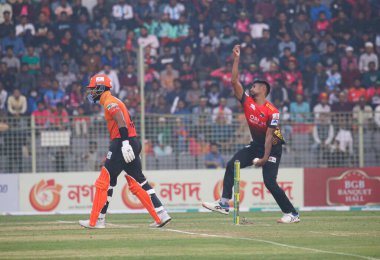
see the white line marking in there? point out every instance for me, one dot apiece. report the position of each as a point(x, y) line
point(66, 222)
point(108, 224)
point(272, 243)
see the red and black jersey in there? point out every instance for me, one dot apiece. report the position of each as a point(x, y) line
point(259, 118)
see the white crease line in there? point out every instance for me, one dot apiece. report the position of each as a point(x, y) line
point(66, 222)
point(108, 224)
point(272, 243)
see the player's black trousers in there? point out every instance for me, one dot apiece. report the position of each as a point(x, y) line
point(270, 171)
point(115, 164)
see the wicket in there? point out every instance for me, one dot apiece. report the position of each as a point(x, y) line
point(236, 192)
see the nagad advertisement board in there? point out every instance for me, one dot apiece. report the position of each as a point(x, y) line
point(184, 189)
point(342, 186)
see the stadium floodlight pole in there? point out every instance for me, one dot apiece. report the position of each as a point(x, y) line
point(141, 74)
point(33, 143)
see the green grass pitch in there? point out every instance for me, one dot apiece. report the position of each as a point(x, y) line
point(320, 235)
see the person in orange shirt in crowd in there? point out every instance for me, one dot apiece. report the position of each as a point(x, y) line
point(356, 92)
point(123, 155)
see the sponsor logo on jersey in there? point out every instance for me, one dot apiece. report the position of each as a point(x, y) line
point(274, 122)
point(276, 116)
point(109, 106)
point(99, 79)
point(253, 107)
point(109, 154)
point(272, 159)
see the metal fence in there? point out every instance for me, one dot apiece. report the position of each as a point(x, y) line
point(61, 144)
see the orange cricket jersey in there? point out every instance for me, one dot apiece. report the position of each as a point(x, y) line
point(111, 106)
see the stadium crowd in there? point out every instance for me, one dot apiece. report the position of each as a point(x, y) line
point(318, 55)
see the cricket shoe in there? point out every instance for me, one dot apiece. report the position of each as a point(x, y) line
point(100, 223)
point(289, 218)
point(164, 217)
point(217, 206)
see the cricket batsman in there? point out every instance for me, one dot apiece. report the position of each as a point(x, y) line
point(264, 150)
point(123, 155)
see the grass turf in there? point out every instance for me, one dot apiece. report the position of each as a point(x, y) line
point(320, 235)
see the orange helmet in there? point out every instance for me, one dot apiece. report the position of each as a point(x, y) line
point(100, 80)
point(98, 84)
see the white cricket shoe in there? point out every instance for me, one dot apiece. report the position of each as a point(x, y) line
point(100, 223)
point(217, 206)
point(165, 219)
point(289, 218)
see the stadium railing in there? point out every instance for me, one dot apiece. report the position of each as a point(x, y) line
point(55, 144)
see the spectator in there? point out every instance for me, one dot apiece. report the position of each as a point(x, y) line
point(79, 11)
point(63, 7)
point(12, 62)
point(17, 104)
point(331, 57)
point(168, 76)
point(323, 135)
point(91, 158)
point(6, 77)
point(5, 9)
point(65, 78)
point(334, 78)
point(41, 115)
point(317, 8)
point(163, 135)
point(322, 24)
point(81, 122)
point(377, 116)
point(322, 107)
point(343, 105)
point(366, 111)
point(54, 96)
point(350, 75)
point(74, 99)
point(300, 26)
point(222, 115)
point(32, 59)
point(112, 74)
point(62, 25)
point(174, 10)
point(193, 94)
point(202, 112)
point(15, 41)
point(258, 27)
point(308, 58)
point(224, 75)
point(242, 24)
point(146, 39)
point(367, 57)
point(279, 92)
point(6, 26)
point(286, 42)
point(343, 147)
point(265, 8)
point(25, 30)
point(349, 57)
point(166, 58)
point(373, 94)
point(3, 98)
point(100, 9)
point(318, 83)
point(107, 30)
point(59, 118)
point(248, 75)
point(356, 92)
point(267, 61)
point(24, 80)
point(371, 76)
point(300, 110)
point(214, 160)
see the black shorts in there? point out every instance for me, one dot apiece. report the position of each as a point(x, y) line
point(115, 162)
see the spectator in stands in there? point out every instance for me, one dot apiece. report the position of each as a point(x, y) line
point(371, 76)
point(367, 57)
point(258, 27)
point(54, 95)
point(300, 26)
point(79, 11)
point(286, 42)
point(373, 94)
point(331, 57)
point(91, 158)
point(17, 104)
point(222, 115)
point(14, 41)
point(193, 94)
point(317, 8)
point(202, 112)
point(366, 117)
point(6, 77)
point(3, 98)
point(300, 110)
point(168, 76)
point(65, 78)
point(343, 147)
point(12, 62)
point(113, 75)
point(5, 9)
point(63, 7)
point(334, 78)
point(356, 91)
point(146, 39)
point(25, 30)
point(59, 118)
point(214, 160)
point(350, 75)
point(322, 107)
point(318, 83)
point(323, 135)
point(6, 26)
point(41, 115)
point(348, 58)
point(267, 61)
point(163, 135)
point(279, 92)
point(32, 59)
point(174, 10)
point(167, 57)
point(81, 122)
point(212, 40)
